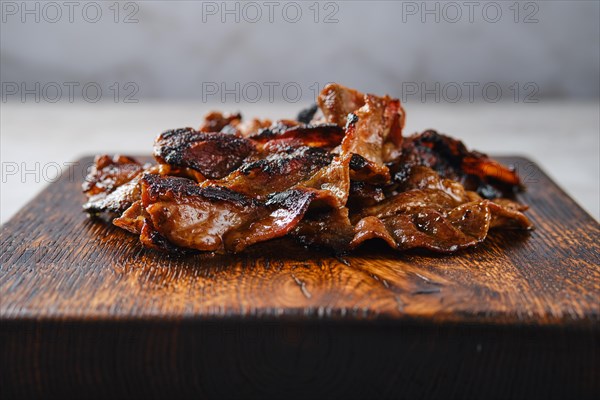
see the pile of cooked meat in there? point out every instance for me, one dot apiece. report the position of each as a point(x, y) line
point(338, 175)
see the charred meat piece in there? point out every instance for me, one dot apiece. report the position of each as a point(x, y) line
point(276, 172)
point(325, 135)
point(108, 173)
point(190, 216)
point(215, 218)
point(132, 219)
point(433, 213)
point(452, 160)
point(117, 201)
point(374, 125)
point(281, 214)
point(431, 219)
point(112, 184)
point(331, 184)
point(421, 177)
point(337, 101)
point(214, 155)
point(373, 137)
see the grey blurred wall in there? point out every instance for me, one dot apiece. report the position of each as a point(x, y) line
point(200, 50)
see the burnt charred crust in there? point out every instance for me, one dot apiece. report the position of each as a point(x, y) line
point(170, 145)
point(358, 162)
point(157, 186)
point(220, 193)
point(174, 148)
point(279, 163)
point(173, 133)
point(325, 134)
point(446, 156)
point(402, 174)
point(307, 114)
point(449, 153)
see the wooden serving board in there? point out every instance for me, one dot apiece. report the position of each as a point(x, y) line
point(85, 311)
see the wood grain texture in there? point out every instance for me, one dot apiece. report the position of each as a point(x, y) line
point(85, 310)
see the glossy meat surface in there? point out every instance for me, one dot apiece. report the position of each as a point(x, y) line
point(215, 218)
point(339, 175)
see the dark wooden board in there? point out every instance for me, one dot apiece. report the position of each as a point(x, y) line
point(85, 311)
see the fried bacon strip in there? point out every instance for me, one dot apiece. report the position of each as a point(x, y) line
point(332, 180)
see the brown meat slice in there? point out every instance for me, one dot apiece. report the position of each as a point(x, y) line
point(276, 172)
point(108, 173)
point(363, 194)
point(325, 228)
point(337, 101)
point(378, 138)
point(373, 136)
point(132, 219)
point(112, 184)
point(433, 219)
point(331, 184)
point(420, 177)
point(214, 155)
point(281, 214)
point(324, 135)
point(116, 201)
point(214, 218)
point(507, 214)
point(452, 160)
